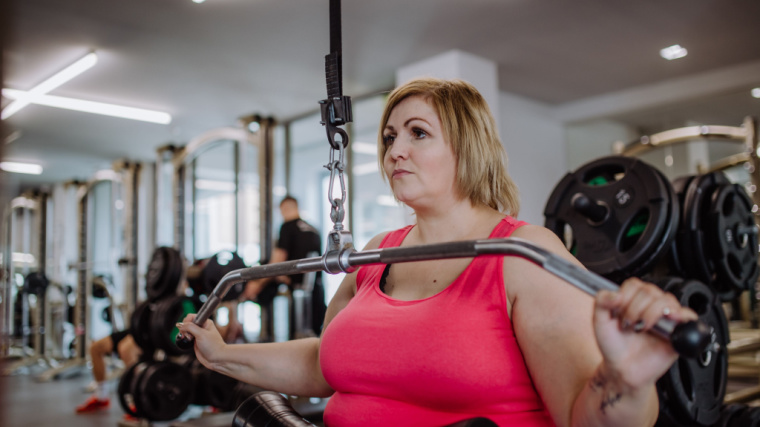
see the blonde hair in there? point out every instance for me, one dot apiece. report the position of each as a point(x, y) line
point(470, 128)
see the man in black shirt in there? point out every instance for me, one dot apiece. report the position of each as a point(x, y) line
point(297, 240)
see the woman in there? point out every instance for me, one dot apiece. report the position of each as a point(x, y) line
point(435, 342)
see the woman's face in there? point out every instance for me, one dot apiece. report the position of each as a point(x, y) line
point(419, 162)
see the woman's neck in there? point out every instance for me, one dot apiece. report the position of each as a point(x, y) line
point(456, 221)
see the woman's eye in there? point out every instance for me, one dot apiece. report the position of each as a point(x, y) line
point(419, 133)
point(388, 139)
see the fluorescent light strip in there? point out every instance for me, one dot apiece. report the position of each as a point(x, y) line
point(91, 107)
point(53, 82)
point(18, 167)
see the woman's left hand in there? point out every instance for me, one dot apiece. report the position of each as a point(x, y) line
point(621, 322)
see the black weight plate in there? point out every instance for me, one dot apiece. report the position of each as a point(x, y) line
point(198, 372)
point(691, 240)
point(36, 283)
point(133, 391)
point(221, 390)
point(166, 314)
point(733, 240)
point(125, 390)
point(140, 327)
point(217, 267)
point(675, 259)
point(164, 273)
point(164, 391)
point(748, 418)
point(692, 390)
point(729, 414)
point(641, 209)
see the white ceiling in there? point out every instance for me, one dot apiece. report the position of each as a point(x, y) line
point(208, 64)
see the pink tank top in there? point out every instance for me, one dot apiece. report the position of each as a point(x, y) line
point(429, 362)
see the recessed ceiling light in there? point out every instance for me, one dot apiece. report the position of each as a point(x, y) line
point(18, 167)
point(756, 92)
point(673, 52)
point(198, 1)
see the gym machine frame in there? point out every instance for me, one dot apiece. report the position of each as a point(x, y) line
point(747, 134)
point(33, 202)
point(123, 174)
point(183, 158)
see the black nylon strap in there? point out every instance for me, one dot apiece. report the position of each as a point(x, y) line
point(333, 61)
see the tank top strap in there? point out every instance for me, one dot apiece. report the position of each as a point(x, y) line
point(505, 227)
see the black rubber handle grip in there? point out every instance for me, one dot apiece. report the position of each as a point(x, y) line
point(183, 342)
point(690, 339)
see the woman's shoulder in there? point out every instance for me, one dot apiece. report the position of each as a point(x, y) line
point(541, 236)
point(374, 243)
point(392, 237)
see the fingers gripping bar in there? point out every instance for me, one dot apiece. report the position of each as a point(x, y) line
point(689, 339)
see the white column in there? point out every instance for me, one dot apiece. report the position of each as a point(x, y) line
point(455, 64)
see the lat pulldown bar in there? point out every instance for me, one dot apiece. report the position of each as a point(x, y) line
point(689, 339)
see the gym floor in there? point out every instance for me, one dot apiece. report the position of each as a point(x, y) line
point(29, 403)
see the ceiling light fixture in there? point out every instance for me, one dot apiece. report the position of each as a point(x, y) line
point(673, 52)
point(198, 1)
point(61, 77)
point(756, 92)
point(91, 107)
point(19, 167)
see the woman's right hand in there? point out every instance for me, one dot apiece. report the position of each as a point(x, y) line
point(208, 343)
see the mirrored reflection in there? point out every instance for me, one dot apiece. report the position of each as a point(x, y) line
point(214, 209)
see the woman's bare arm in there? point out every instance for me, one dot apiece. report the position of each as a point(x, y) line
point(587, 370)
point(290, 367)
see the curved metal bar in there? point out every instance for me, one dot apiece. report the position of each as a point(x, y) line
point(348, 259)
point(674, 136)
point(728, 162)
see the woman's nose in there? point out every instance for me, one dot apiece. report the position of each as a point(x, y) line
point(399, 149)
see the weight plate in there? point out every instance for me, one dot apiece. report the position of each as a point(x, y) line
point(692, 390)
point(140, 325)
point(732, 238)
point(217, 267)
point(163, 326)
point(691, 240)
point(126, 397)
point(164, 391)
point(729, 414)
point(133, 390)
point(164, 273)
point(36, 283)
point(615, 214)
point(213, 388)
point(748, 418)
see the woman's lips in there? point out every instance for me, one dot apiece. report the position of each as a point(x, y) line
point(400, 172)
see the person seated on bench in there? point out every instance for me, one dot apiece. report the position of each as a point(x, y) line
point(436, 342)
